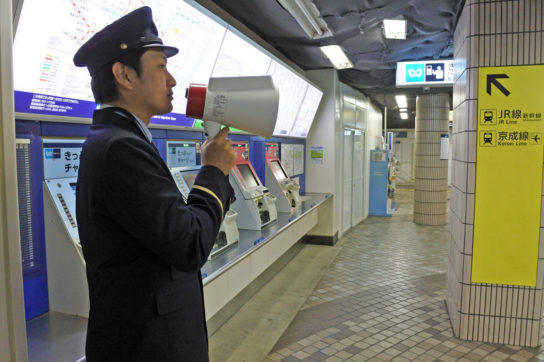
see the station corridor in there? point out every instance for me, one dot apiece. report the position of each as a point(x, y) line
point(378, 295)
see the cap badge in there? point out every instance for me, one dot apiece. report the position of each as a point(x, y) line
point(123, 46)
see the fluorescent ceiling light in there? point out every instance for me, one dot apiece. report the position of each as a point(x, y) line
point(394, 29)
point(403, 115)
point(307, 16)
point(401, 101)
point(337, 56)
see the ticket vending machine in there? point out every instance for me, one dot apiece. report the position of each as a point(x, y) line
point(278, 181)
point(381, 192)
point(184, 163)
point(285, 189)
point(254, 203)
point(66, 276)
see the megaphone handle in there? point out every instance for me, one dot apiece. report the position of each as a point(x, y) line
point(211, 129)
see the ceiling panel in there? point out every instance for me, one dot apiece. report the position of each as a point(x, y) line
point(357, 27)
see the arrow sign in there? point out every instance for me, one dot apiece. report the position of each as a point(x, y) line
point(492, 79)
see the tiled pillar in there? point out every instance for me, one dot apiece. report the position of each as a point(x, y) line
point(431, 186)
point(488, 34)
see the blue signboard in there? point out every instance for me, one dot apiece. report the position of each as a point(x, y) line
point(434, 72)
point(431, 73)
point(415, 73)
point(70, 107)
point(61, 157)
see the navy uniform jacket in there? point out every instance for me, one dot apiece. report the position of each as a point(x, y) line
point(143, 246)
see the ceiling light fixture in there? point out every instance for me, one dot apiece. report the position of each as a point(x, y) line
point(401, 101)
point(336, 55)
point(403, 115)
point(394, 29)
point(307, 16)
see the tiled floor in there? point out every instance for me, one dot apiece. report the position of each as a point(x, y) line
point(383, 299)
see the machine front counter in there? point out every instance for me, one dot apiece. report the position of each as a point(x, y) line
point(251, 240)
point(230, 272)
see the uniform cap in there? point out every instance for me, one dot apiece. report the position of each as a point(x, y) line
point(136, 30)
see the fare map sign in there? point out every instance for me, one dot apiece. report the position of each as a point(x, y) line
point(508, 175)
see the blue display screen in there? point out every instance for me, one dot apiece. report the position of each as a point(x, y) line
point(247, 174)
point(183, 154)
point(73, 186)
point(51, 105)
point(70, 107)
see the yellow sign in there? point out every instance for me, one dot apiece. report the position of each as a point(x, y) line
point(508, 175)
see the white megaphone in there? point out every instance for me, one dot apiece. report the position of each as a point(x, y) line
point(246, 103)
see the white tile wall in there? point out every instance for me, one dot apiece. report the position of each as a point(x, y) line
point(459, 90)
point(427, 137)
point(431, 208)
point(458, 204)
point(452, 301)
point(430, 172)
point(428, 149)
point(469, 209)
point(461, 31)
point(459, 119)
point(432, 185)
point(431, 161)
point(465, 298)
point(541, 246)
point(467, 268)
point(469, 234)
point(534, 338)
point(457, 237)
point(489, 33)
point(474, 295)
point(464, 326)
point(461, 147)
point(471, 177)
point(455, 258)
point(540, 273)
point(472, 143)
point(430, 219)
point(459, 175)
point(429, 196)
point(472, 83)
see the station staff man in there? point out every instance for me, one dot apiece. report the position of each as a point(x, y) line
point(143, 245)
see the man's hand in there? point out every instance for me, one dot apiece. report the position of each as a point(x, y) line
point(218, 152)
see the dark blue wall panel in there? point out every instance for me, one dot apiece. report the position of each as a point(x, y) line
point(157, 133)
point(36, 297)
point(160, 143)
point(256, 157)
point(49, 129)
point(184, 135)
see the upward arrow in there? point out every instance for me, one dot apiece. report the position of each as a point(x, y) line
point(492, 79)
